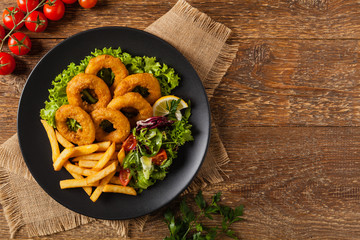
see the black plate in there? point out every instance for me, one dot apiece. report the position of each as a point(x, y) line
point(35, 145)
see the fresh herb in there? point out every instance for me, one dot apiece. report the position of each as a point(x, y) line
point(73, 125)
point(172, 108)
point(167, 77)
point(188, 225)
point(107, 75)
point(144, 92)
point(87, 97)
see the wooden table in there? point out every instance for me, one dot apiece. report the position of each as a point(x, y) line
point(288, 112)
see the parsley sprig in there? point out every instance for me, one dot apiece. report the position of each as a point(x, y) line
point(187, 225)
point(172, 108)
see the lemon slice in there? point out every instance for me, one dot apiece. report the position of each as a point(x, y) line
point(161, 106)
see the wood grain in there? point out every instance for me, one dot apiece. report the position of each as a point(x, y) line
point(287, 112)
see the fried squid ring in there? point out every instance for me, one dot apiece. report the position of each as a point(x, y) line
point(117, 131)
point(145, 80)
point(85, 134)
point(92, 84)
point(107, 61)
point(132, 100)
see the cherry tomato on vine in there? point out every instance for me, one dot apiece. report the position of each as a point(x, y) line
point(13, 16)
point(2, 32)
point(19, 43)
point(31, 5)
point(69, 1)
point(36, 22)
point(87, 3)
point(54, 9)
point(7, 63)
point(124, 176)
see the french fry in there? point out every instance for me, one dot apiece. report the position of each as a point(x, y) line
point(105, 158)
point(121, 155)
point(88, 190)
point(102, 173)
point(119, 189)
point(76, 183)
point(78, 170)
point(63, 157)
point(103, 146)
point(63, 141)
point(99, 189)
point(85, 150)
point(73, 152)
point(115, 180)
point(93, 156)
point(52, 138)
point(87, 163)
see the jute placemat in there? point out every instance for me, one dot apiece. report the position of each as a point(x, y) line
point(204, 43)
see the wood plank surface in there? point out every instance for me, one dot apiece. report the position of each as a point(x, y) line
point(287, 110)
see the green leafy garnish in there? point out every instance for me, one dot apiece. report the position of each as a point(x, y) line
point(150, 141)
point(188, 225)
point(142, 91)
point(107, 75)
point(172, 108)
point(87, 97)
point(73, 125)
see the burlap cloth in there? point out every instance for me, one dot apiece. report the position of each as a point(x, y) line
point(204, 43)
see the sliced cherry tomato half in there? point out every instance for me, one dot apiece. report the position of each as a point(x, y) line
point(159, 158)
point(12, 16)
point(19, 43)
point(69, 1)
point(130, 143)
point(124, 176)
point(87, 3)
point(36, 22)
point(7, 63)
point(2, 32)
point(54, 9)
point(31, 5)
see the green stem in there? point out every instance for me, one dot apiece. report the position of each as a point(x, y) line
point(89, 97)
point(192, 225)
point(42, 3)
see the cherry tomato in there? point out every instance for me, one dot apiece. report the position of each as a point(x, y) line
point(31, 5)
point(69, 1)
point(19, 43)
point(13, 16)
point(7, 63)
point(159, 158)
point(54, 9)
point(130, 143)
point(2, 32)
point(124, 176)
point(87, 3)
point(36, 22)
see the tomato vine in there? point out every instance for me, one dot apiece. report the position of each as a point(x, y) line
point(41, 3)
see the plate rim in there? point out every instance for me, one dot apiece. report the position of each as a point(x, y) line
point(116, 28)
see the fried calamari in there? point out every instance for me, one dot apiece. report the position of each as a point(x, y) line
point(110, 125)
point(84, 134)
